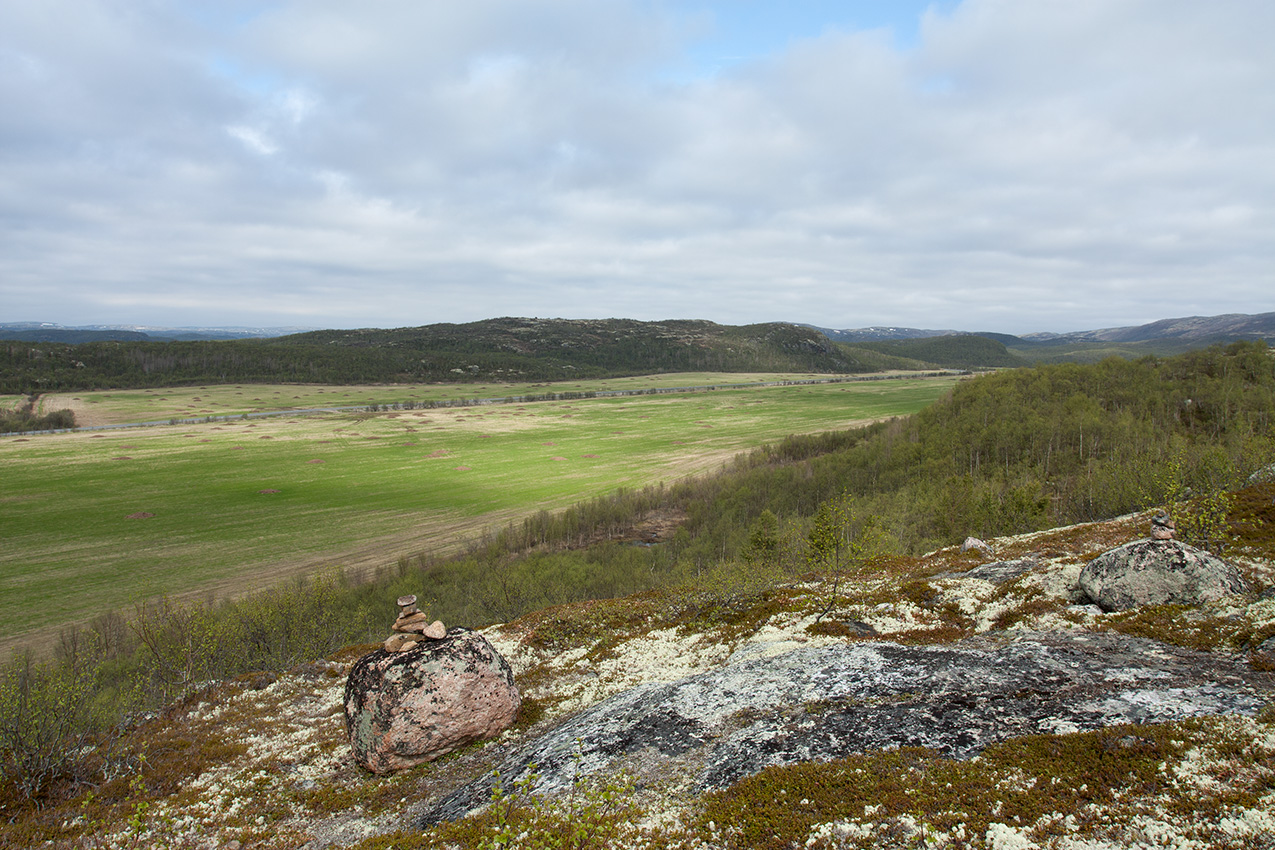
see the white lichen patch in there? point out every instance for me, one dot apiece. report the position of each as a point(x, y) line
point(969, 595)
point(1055, 578)
point(901, 616)
point(664, 655)
point(1261, 613)
point(780, 634)
point(286, 739)
point(1045, 598)
point(521, 657)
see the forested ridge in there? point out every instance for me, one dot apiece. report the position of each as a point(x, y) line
point(498, 349)
point(961, 351)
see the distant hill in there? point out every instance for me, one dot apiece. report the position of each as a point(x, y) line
point(507, 349)
point(955, 351)
point(1229, 327)
point(1195, 329)
point(878, 334)
point(51, 332)
point(1163, 337)
point(51, 357)
point(613, 346)
point(72, 336)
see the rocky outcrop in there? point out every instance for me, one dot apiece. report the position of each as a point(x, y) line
point(410, 706)
point(1157, 572)
point(820, 703)
point(999, 572)
point(975, 544)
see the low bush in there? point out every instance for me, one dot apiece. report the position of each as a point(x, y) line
point(24, 418)
point(56, 718)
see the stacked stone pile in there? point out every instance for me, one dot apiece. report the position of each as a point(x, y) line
point(1162, 527)
point(412, 627)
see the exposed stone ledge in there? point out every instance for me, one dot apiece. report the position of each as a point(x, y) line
point(825, 702)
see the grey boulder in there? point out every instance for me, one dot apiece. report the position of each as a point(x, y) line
point(1158, 572)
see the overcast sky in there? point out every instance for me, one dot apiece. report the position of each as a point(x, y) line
point(1003, 165)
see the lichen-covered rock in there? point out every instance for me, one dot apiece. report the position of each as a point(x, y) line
point(405, 708)
point(1157, 572)
point(711, 729)
point(975, 544)
point(999, 572)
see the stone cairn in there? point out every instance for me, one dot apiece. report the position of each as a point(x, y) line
point(1162, 527)
point(412, 627)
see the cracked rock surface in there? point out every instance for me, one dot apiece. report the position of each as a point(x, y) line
point(820, 703)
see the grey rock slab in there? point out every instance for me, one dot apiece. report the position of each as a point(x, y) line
point(1265, 475)
point(999, 572)
point(821, 703)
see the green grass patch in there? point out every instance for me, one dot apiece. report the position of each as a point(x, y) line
point(159, 405)
point(121, 516)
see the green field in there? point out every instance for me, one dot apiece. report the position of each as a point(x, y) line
point(200, 402)
point(97, 520)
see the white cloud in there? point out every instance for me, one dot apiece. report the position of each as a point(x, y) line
point(1019, 166)
point(253, 139)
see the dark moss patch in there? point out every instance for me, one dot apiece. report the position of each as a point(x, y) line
point(565, 627)
point(1034, 606)
point(1184, 626)
point(849, 629)
point(1018, 781)
point(1252, 520)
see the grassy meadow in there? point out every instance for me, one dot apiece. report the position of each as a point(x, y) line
point(119, 407)
point(96, 520)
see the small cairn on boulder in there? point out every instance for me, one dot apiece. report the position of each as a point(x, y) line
point(1162, 527)
point(411, 627)
point(426, 692)
point(1158, 571)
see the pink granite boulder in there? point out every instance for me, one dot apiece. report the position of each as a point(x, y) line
point(405, 708)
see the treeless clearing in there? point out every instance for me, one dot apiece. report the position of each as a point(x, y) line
point(102, 408)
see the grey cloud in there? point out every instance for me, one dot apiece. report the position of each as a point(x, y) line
point(1025, 165)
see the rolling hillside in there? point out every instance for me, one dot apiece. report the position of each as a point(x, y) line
point(508, 349)
point(954, 351)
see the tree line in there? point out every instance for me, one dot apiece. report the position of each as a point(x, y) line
point(498, 350)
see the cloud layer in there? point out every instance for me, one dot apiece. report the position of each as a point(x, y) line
point(1017, 166)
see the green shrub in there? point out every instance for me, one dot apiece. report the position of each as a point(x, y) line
point(55, 723)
